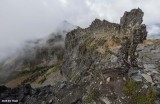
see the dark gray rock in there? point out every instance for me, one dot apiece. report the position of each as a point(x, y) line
point(132, 18)
point(94, 47)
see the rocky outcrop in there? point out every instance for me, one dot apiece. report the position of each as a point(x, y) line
point(90, 90)
point(62, 93)
point(104, 45)
point(149, 64)
point(106, 63)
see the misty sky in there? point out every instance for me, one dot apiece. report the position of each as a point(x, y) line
point(22, 20)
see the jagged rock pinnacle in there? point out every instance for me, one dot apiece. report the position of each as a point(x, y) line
point(93, 48)
point(132, 18)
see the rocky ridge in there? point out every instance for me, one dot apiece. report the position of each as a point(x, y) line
point(106, 63)
point(94, 47)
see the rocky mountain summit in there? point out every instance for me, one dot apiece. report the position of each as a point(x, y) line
point(94, 47)
point(106, 63)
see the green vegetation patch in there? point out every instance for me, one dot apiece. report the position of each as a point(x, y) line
point(42, 72)
point(91, 96)
point(132, 88)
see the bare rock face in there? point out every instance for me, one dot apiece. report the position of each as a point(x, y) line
point(136, 34)
point(132, 18)
point(104, 45)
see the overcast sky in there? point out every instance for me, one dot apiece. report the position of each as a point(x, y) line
point(22, 20)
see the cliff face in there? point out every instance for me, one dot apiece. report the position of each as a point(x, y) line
point(104, 45)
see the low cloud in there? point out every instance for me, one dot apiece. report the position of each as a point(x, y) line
point(154, 30)
point(22, 20)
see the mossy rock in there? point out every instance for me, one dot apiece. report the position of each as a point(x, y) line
point(93, 94)
point(90, 97)
point(132, 88)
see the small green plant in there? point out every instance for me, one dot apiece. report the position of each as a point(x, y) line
point(132, 89)
point(91, 96)
point(147, 98)
point(151, 95)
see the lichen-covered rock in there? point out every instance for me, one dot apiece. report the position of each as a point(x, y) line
point(93, 48)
